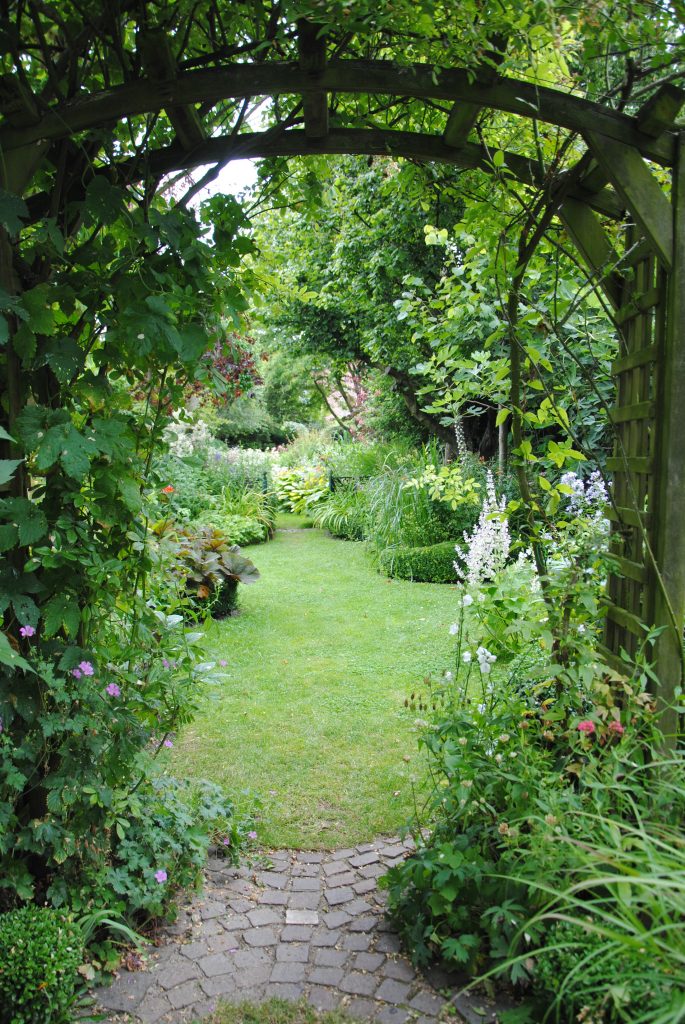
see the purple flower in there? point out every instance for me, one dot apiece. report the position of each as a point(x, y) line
point(161, 876)
point(113, 690)
point(0, 724)
point(27, 631)
point(166, 663)
point(168, 743)
point(223, 663)
point(252, 835)
point(86, 668)
point(226, 841)
point(76, 673)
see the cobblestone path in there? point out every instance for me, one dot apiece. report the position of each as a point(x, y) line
point(310, 925)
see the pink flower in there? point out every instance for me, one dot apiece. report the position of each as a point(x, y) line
point(76, 673)
point(86, 668)
point(252, 835)
point(168, 743)
point(27, 631)
point(226, 841)
point(223, 663)
point(166, 663)
point(161, 876)
point(586, 726)
point(616, 727)
point(113, 690)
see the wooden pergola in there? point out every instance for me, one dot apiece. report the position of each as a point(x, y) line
point(620, 176)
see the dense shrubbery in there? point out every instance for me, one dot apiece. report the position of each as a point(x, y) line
point(40, 952)
point(431, 564)
point(549, 804)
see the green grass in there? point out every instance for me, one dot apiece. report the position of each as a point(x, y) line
point(310, 715)
point(274, 1011)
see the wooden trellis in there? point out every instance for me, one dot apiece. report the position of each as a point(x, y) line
point(645, 284)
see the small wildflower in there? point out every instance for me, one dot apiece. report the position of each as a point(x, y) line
point(454, 628)
point(550, 819)
point(113, 690)
point(76, 673)
point(504, 738)
point(449, 677)
point(587, 726)
point(467, 657)
point(503, 829)
point(485, 667)
point(467, 600)
point(166, 663)
point(223, 663)
point(27, 631)
point(616, 727)
point(548, 735)
point(168, 489)
point(226, 841)
point(252, 834)
point(462, 741)
point(168, 743)
point(161, 876)
point(86, 668)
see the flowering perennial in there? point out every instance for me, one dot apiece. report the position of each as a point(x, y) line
point(487, 547)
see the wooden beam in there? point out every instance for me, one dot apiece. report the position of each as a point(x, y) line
point(591, 241)
point(366, 141)
point(660, 111)
point(311, 48)
point(155, 49)
point(639, 189)
point(235, 81)
point(669, 535)
point(463, 116)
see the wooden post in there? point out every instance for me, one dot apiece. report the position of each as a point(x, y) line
point(669, 531)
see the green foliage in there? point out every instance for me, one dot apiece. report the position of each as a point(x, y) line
point(40, 952)
point(301, 488)
point(431, 564)
point(343, 513)
point(205, 560)
point(237, 529)
point(248, 423)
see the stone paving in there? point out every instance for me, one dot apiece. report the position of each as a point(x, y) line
point(306, 925)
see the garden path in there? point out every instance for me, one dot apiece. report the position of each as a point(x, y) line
point(304, 925)
point(307, 923)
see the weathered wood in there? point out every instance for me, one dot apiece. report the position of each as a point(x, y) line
point(463, 115)
point(632, 570)
point(630, 463)
point(311, 46)
point(638, 358)
point(626, 619)
point(670, 492)
point(637, 305)
point(238, 81)
point(638, 411)
point(660, 111)
point(155, 49)
point(368, 141)
point(594, 246)
point(639, 189)
point(629, 517)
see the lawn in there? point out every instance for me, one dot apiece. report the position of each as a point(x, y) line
point(310, 715)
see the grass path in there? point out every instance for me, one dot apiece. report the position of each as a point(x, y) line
point(310, 715)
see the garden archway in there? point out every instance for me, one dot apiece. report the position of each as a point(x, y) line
point(627, 169)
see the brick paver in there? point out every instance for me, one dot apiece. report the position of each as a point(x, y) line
point(307, 924)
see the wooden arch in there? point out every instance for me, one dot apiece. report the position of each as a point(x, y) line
point(644, 283)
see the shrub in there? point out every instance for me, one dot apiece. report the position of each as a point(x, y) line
point(237, 529)
point(343, 513)
point(208, 560)
point(301, 488)
point(40, 953)
point(431, 564)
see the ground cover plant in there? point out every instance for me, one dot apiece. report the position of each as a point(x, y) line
point(309, 712)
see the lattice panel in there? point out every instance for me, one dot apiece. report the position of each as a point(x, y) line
point(641, 329)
